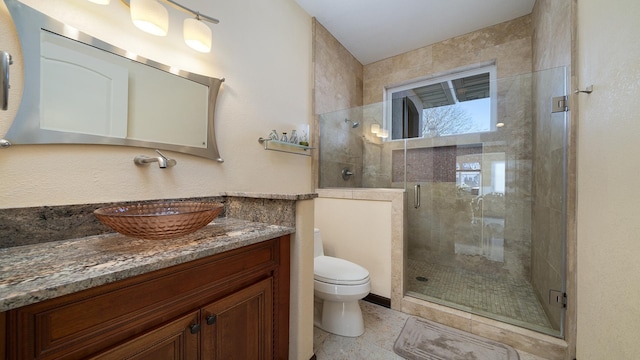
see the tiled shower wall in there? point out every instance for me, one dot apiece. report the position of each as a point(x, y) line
point(507, 44)
point(551, 50)
point(337, 86)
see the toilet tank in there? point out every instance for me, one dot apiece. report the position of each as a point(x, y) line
point(318, 249)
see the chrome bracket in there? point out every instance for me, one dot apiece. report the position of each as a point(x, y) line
point(588, 90)
point(557, 299)
point(559, 104)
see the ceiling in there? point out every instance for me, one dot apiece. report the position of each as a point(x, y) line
point(373, 30)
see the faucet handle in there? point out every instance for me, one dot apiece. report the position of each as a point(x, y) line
point(161, 154)
point(170, 162)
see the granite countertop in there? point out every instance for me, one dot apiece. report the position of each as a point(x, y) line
point(33, 273)
point(272, 196)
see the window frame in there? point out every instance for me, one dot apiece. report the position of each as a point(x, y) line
point(447, 76)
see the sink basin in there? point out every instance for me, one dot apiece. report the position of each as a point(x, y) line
point(157, 221)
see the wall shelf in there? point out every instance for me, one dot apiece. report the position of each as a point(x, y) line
point(276, 145)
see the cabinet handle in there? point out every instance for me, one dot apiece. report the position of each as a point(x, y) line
point(194, 328)
point(211, 319)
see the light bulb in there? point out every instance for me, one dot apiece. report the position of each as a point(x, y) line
point(197, 35)
point(150, 16)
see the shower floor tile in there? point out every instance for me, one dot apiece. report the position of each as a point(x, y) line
point(504, 298)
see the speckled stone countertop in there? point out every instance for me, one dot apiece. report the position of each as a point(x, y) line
point(256, 195)
point(32, 273)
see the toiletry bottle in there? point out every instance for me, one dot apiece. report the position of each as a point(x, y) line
point(273, 135)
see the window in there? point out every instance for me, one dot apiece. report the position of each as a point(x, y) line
point(460, 102)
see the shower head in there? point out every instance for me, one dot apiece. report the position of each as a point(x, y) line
point(354, 124)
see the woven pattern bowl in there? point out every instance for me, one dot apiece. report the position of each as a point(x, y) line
point(159, 221)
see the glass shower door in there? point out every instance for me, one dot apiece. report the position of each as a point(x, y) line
point(486, 208)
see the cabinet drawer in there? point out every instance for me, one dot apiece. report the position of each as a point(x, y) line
point(80, 324)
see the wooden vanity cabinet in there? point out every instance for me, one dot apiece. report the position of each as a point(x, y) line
point(239, 326)
point(233, 305)
point(170, 341)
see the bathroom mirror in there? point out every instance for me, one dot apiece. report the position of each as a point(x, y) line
point(81, 90)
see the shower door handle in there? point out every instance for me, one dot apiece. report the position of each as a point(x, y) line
point(5, 61)
point(416, 196)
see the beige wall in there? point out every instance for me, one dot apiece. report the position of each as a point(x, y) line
point(301, 313)
point(358, 231)
point(359, 225)
point(263, 50)
point(608, 227)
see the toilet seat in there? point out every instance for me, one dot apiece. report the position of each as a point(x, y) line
point(338, 271)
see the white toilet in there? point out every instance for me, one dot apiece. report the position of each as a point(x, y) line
point(338, 285)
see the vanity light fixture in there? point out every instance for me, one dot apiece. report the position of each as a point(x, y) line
point(197, 35)
point(152, 17)
point(101, 2)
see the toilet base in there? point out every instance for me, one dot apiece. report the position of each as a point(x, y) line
point(340, 318)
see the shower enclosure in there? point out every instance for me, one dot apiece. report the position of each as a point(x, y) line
point(483, 162)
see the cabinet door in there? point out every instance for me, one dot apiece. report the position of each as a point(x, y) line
point(179, 339)
point(240, 326)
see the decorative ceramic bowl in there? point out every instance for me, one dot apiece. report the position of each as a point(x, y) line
point(157, 221)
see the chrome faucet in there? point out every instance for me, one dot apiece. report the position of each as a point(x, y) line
point(162, 160)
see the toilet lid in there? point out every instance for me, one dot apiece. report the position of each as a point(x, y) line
point(339, 271)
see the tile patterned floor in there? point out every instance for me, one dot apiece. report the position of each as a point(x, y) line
point(511, 299)
point(382, 327)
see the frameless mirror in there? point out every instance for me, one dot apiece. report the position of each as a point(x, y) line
point(81, 90)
